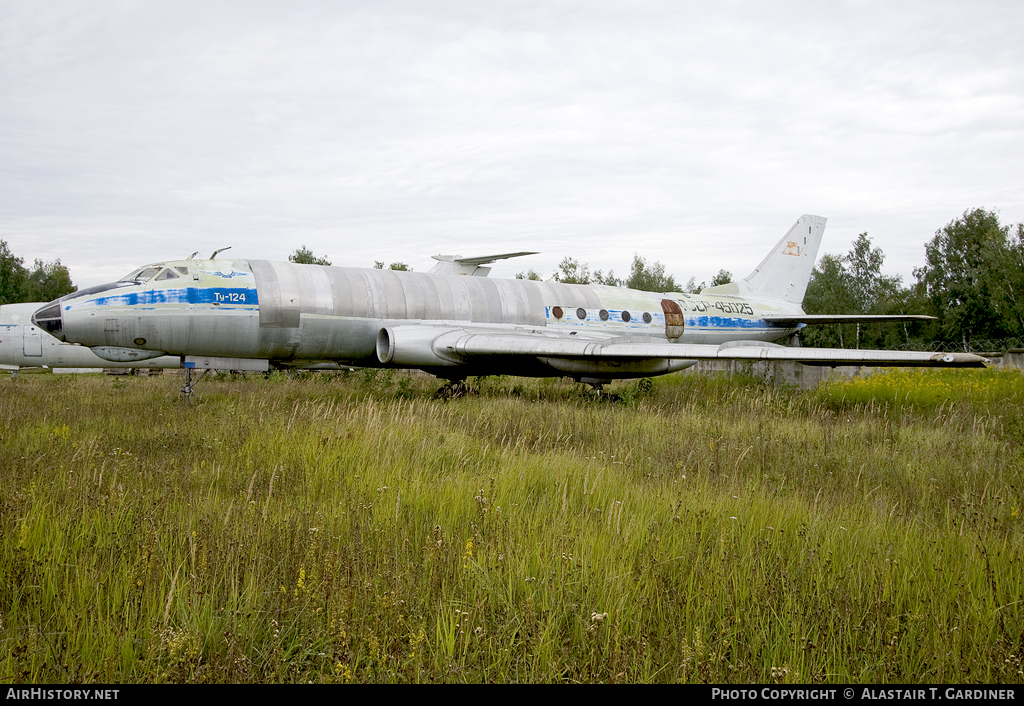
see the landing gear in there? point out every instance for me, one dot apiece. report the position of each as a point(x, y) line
point(454, 389)
point(596, 390)
point(189, 388)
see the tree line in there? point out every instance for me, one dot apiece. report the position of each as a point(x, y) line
point(649, 277)
point(305, 256)
point(643, 275)
point(972, 282)
point(43, 282)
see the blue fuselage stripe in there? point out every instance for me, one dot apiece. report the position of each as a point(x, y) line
point(720, 322)
point(190, 295)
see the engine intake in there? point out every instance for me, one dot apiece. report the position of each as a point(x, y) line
point(416, 346)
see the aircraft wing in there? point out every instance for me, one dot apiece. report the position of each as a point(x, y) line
point(475, 344)
point(844, 318)
point(465, 344)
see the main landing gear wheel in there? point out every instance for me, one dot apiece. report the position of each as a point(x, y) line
point(454, 389)
point(596, 389)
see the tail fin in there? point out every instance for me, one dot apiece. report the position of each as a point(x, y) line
point(786, 270)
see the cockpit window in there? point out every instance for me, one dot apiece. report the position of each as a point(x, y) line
point(141, 275)
point(182, 270)
point(165, 275)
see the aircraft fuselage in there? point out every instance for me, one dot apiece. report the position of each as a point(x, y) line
point(295, 314)
point(248, 314)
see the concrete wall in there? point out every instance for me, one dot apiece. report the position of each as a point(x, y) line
point(1013, 358)
point(807, 376)
point(780, 372)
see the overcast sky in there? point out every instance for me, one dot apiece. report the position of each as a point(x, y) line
point(689, 132)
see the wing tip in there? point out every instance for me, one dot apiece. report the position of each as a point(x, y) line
point(959, 360)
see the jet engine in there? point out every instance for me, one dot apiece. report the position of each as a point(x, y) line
point(418, 346)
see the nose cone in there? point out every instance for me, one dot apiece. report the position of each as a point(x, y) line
point(50, 320)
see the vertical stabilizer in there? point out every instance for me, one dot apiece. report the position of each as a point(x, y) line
point(786, 270)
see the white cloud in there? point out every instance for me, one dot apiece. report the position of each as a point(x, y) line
point(692, 133)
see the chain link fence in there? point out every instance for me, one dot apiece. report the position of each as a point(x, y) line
point(978, 345)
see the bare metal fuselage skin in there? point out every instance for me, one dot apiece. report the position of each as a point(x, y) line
point(24, 345)
point(298, 314)
point(247, 314)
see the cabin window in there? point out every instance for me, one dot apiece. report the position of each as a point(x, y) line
point(557, 312)
point(647, 318)
point(625, 316)
point(603, 314)
point(581, 314)
point(141, 275)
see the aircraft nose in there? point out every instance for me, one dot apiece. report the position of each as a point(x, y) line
point(49, 319)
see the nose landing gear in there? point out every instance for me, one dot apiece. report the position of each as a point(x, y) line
point(189, 388)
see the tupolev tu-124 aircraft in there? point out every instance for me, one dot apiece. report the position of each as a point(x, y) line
point(250, 314)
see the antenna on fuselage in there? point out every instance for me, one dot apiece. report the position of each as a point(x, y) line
point(218, 252)
point(192, 255)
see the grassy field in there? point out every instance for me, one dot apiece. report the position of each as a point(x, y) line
point(354, 529)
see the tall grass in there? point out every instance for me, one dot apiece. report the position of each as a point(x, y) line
point(354, 529)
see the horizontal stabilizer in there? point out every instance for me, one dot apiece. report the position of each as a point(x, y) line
point(471, 266)
point(844, 318)
point(19, 314)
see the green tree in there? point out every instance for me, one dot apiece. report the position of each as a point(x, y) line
point(829, 291)
point(973, 278)
point(398, 266)
point(854, 284)
point(864, 265)
point(531, 275)
point(650, 277)
point(570, 271)
point(305, 256)
point(691, 286)
point(723, 277)
point(48, 281)
point(45, 282)
point(12, 276)
point(1008, 289)
point(899, 300)
point(609, 279)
